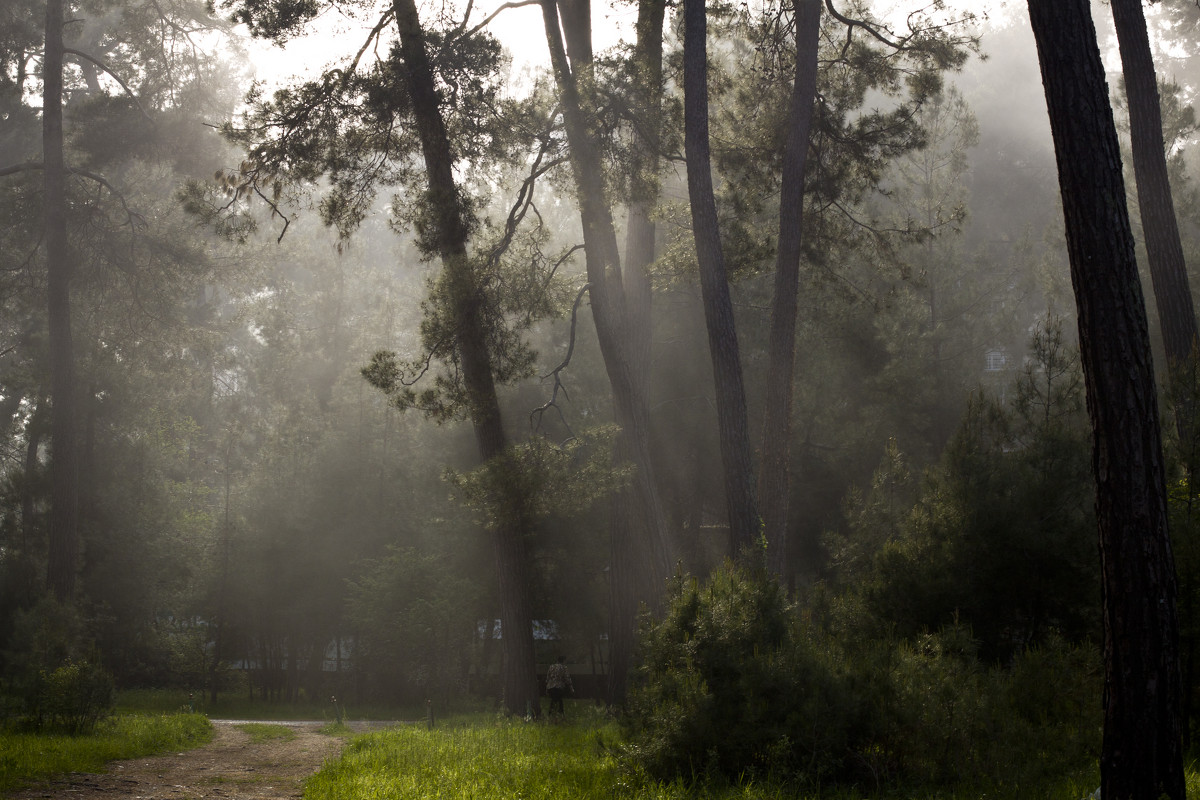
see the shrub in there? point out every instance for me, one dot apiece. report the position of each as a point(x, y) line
point(733, 684)
point(72, 698)
point(729, 685)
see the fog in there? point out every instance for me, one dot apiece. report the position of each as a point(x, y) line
point(257, 519)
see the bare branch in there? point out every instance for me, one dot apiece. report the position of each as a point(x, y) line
point(28, 166)
point(275, 212)
point(535, 416)
point(372, 36)
point(856, 23)
point(133, 217)
point(496, 13)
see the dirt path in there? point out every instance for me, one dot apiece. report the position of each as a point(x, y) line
point(230, 767)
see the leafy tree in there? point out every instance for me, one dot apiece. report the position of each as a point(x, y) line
point(417, 621)
point(1000, 537)
point(345, 125)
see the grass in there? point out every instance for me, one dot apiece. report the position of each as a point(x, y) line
point(28, 757)
point(485, 757)
point(261, 732)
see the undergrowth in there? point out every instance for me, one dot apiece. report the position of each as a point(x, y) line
point(487, 757)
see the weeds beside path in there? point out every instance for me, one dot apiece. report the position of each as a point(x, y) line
point(234, 766)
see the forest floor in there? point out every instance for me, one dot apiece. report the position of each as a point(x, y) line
point(231, 767)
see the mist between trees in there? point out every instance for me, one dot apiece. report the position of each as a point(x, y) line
point(402, 379)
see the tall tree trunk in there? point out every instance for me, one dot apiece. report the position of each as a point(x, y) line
point(1141, 757)
point(640, 230)
point(64, 468)
point(519, 668)
point(641, 550)
point(774, 479)
point(629, 529)
point(1168, 273)
point(34, 429)
point(714, 286)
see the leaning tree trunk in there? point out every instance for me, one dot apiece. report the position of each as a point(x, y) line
point(64, 464)
point(1168, 272)
point(519, 668)
point(733, 432)
point(641, 557)
point(1141, 757)
point(774, 480)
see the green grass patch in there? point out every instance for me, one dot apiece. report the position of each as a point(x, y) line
point(28, 757)
point(453, 761)
point(262, 732)
point(482, 758)
point(337, 729)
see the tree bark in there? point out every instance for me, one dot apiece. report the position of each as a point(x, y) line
point(1141, 757)
point(1160, 229)
point(33, 440)
point(774, 478)
point(519, 668)
point(641, 552)
point(631, 529)
point(734, 434)
point(64, 465)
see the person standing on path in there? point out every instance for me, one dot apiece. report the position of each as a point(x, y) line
point(558, 683)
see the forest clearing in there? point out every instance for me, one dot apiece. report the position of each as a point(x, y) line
point(805, 391)
point(466, 757)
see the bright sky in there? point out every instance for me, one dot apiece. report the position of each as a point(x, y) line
point(520, 30)
point(337, 37)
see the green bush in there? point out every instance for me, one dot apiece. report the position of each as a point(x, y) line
point(72, 698)
point(734, 684)
point(728, 685)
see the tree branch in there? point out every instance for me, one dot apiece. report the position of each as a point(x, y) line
point(372, 36)
point(496, 13)
point(857, 23)
point(30, 166)
point(535, 416)
point(27, 166)
point(114, 76)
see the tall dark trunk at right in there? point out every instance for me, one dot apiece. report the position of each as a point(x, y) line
point(1141, 754)
point(64, 464)
point(774, 477)
point(1160, 229)
point(519, 668)
point(732, 426)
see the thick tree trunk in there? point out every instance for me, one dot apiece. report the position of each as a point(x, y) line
point(774, 479)
point(646, 99)
point(714, 286)
point(1168, 272)
point(1141, 756)
point(641, 550)
point(64, 467)
point(519, 668)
